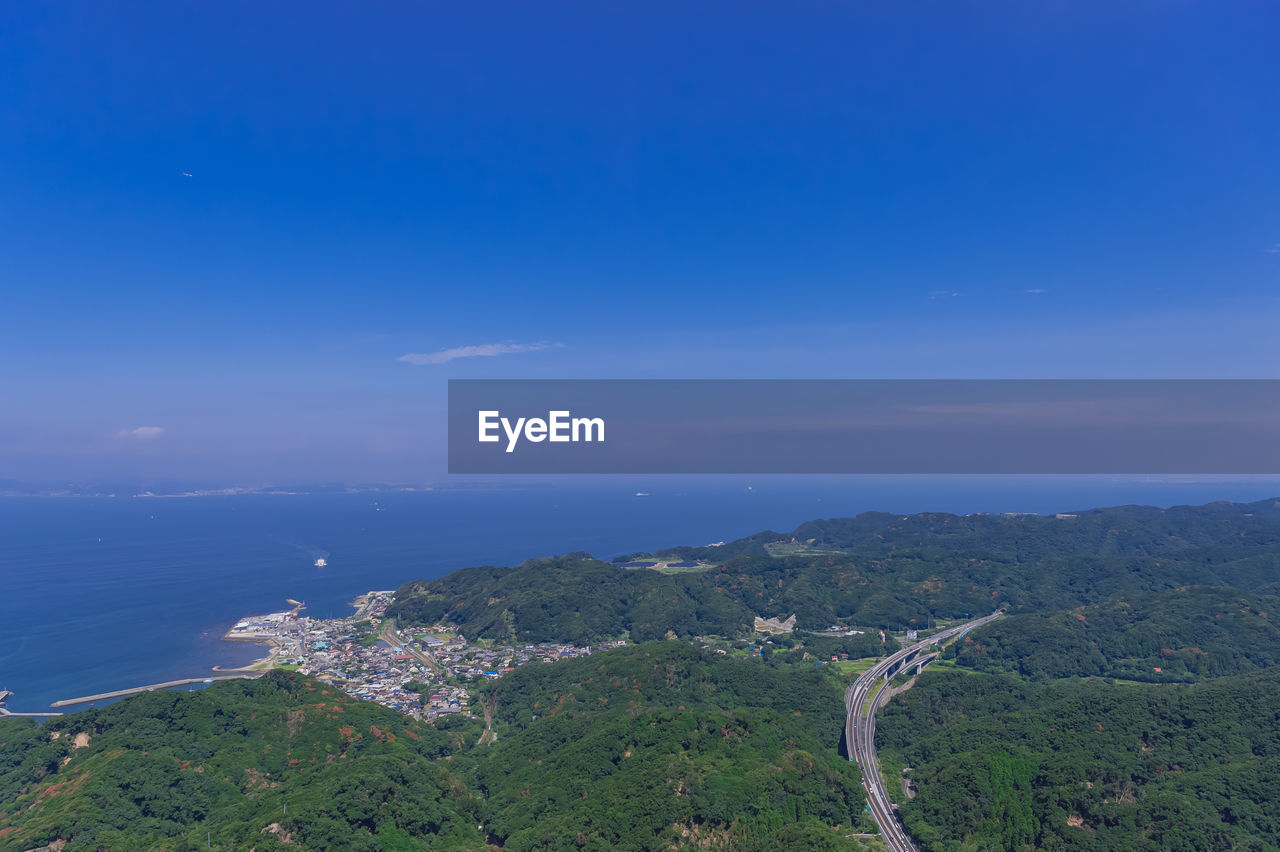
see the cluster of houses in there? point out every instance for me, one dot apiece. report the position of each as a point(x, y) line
point(338, 653)
point(470, 662)
point(444, 700)
point(421, 677)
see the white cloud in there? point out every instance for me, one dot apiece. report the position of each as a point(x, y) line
point(1036, 290)
point(142, 433)
point(483, 350)
point(1275, 249)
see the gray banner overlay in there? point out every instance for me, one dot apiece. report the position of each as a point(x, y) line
point(864, 426)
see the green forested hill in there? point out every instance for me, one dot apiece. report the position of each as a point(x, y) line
point(1142, 594)
point(1090, 765)
point(1112, 531)
point(660, 744)
point(178, 770)
point(653, 746)
point(1176, 635)
point(877, 570)
point(572, 598)
point(668, 675)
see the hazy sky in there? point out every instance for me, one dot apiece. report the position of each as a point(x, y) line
point(248, 243)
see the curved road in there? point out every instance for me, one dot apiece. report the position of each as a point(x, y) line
point(860, 703)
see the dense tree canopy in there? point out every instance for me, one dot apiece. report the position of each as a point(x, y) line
point(660, 744)
point(655, 745)
point(1177, 635)
point(1002, 763)
point(875, 570)
point(178, 770)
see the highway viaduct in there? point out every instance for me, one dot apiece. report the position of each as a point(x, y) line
point(862, 700)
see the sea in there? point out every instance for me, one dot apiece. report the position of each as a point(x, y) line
point(104, 593)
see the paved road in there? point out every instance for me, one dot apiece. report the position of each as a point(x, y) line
point(860, 729)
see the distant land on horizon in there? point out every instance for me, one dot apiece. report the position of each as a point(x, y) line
point(10, 487)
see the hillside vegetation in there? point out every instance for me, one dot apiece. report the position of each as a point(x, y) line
point(1089, 765)
point(180, 770)
point(1018, 757)
point(1177, 635)
point(660, 745)
point(652, 746)
point(876, 570)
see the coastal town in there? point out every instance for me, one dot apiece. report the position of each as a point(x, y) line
point(427, 672)
point(423, 673)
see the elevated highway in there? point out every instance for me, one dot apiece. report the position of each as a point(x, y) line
point(862, 700)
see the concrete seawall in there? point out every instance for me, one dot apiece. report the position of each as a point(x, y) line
point(121, 693)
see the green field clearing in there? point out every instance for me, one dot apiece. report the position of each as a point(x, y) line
point(787, 548)
point(663, 568)
point(853, 667)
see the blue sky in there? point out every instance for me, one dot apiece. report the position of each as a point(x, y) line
point(226, 224)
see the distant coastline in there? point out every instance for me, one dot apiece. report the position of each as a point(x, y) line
point(148, 588)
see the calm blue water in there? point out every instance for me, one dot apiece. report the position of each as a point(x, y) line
point(100, 594)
